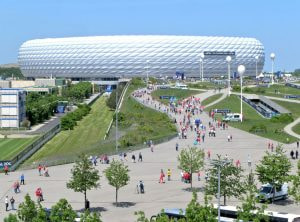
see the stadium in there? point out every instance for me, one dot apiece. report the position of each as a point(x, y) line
point(100, 57)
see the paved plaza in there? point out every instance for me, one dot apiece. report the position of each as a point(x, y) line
point(172, 194)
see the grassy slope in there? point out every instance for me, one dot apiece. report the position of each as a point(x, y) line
point(211, 99)
point(178, 93)
point(204, 85)
point(144, 123)
point(89, 131)
point(252, 118)
point(283, 90)
point(296, 128)
point(11, 147)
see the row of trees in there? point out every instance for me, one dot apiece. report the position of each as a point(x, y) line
point(274, 169)
point(40, 107)
point(62, 211)
point(69, 121)
point(78, 92)
point(11, 72)
point(111, 101)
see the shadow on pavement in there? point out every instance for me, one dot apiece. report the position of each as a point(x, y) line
point(196, 189)
point(124, 204)
point(283, 202)
point(94, 209)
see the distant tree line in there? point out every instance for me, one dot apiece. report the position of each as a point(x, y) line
point(69, 121)
point(78, 92)
point(10, 72)
point(297, 72)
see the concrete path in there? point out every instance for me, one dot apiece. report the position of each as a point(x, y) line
point(172, 194)
point(288, 128)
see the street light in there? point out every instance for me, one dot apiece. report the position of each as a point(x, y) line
point(147, 72)
point(228, 59)
point(219, 163)
point(117, 118)
point(201, 62)
point(241, 70)
point(256, 60)
point(272, 56)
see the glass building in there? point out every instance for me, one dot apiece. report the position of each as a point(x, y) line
point(127, 56)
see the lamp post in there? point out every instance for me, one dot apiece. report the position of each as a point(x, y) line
point(201, 62)
point(219, 163)
point(147, 72)
point(272, 56)
point(117, 118)
point(228, 59)
point(241, 70)
point(256, 60)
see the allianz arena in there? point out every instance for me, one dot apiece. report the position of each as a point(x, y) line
point(126, 56)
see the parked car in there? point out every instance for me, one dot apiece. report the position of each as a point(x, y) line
point(235, 117)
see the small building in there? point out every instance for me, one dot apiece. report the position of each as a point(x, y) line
point(12, 107)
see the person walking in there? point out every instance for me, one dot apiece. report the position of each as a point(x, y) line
point(133, 158)
point(22, 179)
point(176, 146)
point(152, 148)
point(161, 177)
point(40, 169)
point(12, 203)
point(249, 160)
point(6, 203)
point(292, 154)
point(297, 144)
point(169, 174)
point(238, 163)
point(140, 157)
point(296, 154)
point(6, 170)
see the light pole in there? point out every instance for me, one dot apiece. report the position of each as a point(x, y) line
point(241, 70)
point(219, 163)
point(147, 72)
point(228, 59)
point(201, 62)
point(117, 118)
point(272, 56)
point(256, 60)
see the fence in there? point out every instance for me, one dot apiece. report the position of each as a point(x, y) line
point(32, 148)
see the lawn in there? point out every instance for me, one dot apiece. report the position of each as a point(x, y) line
point(252, 118)
point(140, 123)
point(9, 148)
point(296, 128)
point(274, 90)
point(205, 85)
point(293, 107)
point(178, 93)
point(211, 99)
point(89, 131)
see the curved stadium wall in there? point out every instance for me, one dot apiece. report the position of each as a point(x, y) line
point(126, 56)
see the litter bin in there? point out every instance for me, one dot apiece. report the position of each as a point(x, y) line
point(87, 204)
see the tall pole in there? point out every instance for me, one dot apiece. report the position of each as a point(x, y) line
point(272, 56)
point(228, 59)
point(219, 191)
point(117, 118)
point(147, 72)
point(241, 70)
point(200, 68)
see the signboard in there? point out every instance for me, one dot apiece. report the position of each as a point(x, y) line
point(222, 110)
point(108, 88)
point(5, 163)
point(219, 53)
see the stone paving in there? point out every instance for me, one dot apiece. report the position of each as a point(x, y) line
point(172, 194)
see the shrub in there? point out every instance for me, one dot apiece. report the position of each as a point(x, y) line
point(69, 121)
point(282, 118)
point(258, 128)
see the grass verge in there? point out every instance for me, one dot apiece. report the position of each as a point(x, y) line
point(10, 147)
point(296, 128)
point(178, 93)
point(252, 118)
point(89, 131)
point(211, 99)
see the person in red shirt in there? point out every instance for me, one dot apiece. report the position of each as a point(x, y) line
point(6, 170)
point(40, 169)
point(161, 177)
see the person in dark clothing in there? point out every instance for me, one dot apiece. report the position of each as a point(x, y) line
point(292, 154)
point(297, 144)
point(296, 154)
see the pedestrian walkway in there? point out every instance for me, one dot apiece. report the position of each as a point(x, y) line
point(288, 128)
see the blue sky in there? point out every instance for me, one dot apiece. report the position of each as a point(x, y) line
point(275, 23)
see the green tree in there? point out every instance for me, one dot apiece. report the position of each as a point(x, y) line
point(191, 160)
point(230, 183)
point(41, 214)
point(84, 176)
point(274, 168)
point(87, 216)
point(11, 218)
point(27, 210)
point(294, 190)
point(250, 203)
point(159, 218)
point(117, 175)
point(196, 212)
point(62, 212)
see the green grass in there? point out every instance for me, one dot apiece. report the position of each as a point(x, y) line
point(252, 118)
point(211, 99)
point(204, 85)
point(178, 93)
point(282, 90)
point(141, 123)
point(89, 131)
point(296, 128)
point(10, 147)
point(293, 107)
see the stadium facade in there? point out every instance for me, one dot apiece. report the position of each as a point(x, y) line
point(126, 56)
